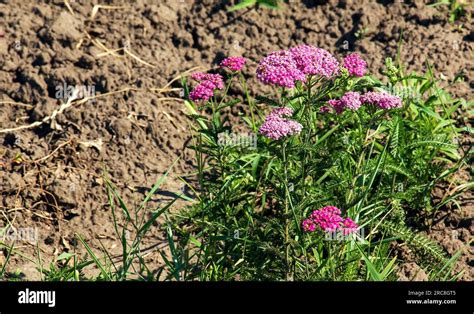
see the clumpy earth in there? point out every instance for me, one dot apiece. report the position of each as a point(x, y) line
point(52, 175)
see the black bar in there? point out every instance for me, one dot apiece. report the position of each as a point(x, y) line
point(314, 297)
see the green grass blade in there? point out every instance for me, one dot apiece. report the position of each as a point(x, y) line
point(94, 257)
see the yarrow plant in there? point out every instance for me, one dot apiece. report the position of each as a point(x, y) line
point(251, 212)
point(252, 207)
point(376, 158)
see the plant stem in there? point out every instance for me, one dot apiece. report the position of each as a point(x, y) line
point(226, 91)
point(287, 235)
point(249, 101)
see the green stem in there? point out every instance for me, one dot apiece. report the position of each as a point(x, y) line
point(226, 90)
point(249, 101)
point(287, 234)
point(307, 136)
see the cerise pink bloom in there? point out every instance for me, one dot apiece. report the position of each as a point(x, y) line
point(308, 225)
point(279, 68)
point(329, 219)
point(276, 127)
point(233, 63)
point(355, 65)
point(383, 100)
point(314, 61)
point(207, 84)
point(350, 100)
point(349, 226)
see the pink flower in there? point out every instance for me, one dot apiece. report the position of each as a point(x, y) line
point(331, 209)
point(215, 79)
point(283, 111)
point(279, 68)
point(355, 65)
point(308, 225)
point(329, 220)
point(233, 63)
point(314, 61)
point(205, 89)
point(202, 92)
point(350, 100)
point(337, 105)
point(383, 100)
point(198, 76)
point(349, 226)
point(276, 127)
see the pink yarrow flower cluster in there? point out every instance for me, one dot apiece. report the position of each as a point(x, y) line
point(279, 68)
point(355, 65)
point(276, 126)
point(350, 100)
point(285, 67)
point(349, 226)
point(233, 63)
point(207, 84)
point(329, 220)
point(314, 61)
point(383, 100)
point(354, 100)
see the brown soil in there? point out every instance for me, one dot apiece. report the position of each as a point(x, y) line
point(55, 183)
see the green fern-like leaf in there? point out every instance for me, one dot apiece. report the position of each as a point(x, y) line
point(398, 169)
point(416, 241)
